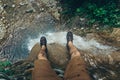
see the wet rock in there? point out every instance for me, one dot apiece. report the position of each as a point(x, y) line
point(110, 59)
point(2, 31)
point(57, 54)
point(116, 34)
point(2, 22)
point(29, 11)
point(115, 56)
point(3, 76)
point(18, 15)
point(55, 13)
point(90, 36)
point(14, 13)
point(34, 52)
point(22, 3)
point(13, 5)
point(53, 8)
point(1, 8)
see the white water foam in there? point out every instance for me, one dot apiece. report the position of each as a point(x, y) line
point(79, 42)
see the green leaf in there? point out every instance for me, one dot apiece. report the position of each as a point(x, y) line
point(78, 10)
point(106, 20)
point(92, 21)
point(5, 63)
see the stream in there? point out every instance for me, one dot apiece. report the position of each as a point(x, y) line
point(20, 42)
point(27, 20)
point(98, 71)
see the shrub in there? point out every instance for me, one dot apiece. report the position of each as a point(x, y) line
point(4, 67)
point(104, 12)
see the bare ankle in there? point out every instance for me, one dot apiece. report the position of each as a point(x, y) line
point(75, 54)
point(70, 43)
point(43, 47)
point(41, 57)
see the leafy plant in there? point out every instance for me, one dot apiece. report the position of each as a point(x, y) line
point(105, 12)
point(4, 67)
point(5, 63)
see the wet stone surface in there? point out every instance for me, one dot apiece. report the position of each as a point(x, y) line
point(25, 20)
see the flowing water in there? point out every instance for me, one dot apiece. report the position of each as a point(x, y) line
point(21, 40)
point(79, 42)
point(98, 71)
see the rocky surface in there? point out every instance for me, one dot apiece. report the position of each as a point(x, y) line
point(116, 34)
point(59, 57)
point(21, 19)
point(57, 54)
point(24, 19)
point(18, 14)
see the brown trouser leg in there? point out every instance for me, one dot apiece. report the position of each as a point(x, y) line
point(42, 69)
point(76, 69)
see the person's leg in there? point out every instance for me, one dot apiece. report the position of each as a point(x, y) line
point(42, 69)
point(76, 69)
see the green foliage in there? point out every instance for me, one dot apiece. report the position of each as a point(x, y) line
point(4, 67)
point(5, 63)
point(105, 12)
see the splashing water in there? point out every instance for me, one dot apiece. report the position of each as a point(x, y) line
point(79, 42)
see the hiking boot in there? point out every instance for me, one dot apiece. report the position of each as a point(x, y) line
point(69, 37)
point(43, 41)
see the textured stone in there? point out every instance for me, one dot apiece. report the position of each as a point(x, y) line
point(116, 34)
point(2, 31)
point(57, 54)
point(53, 8)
